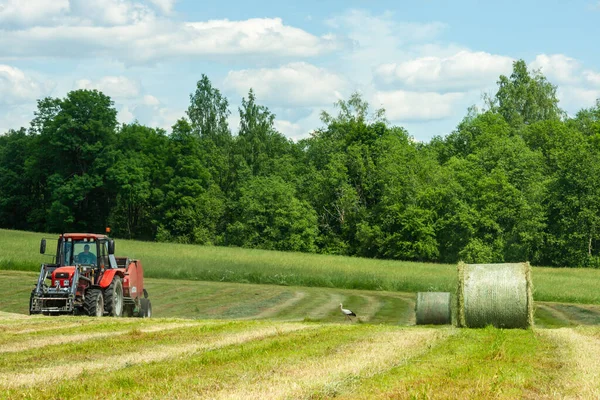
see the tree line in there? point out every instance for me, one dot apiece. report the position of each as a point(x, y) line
point(517, 180)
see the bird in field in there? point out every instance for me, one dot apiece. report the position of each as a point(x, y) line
point(347, 313)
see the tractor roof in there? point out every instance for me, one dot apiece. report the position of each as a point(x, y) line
point(84, 236)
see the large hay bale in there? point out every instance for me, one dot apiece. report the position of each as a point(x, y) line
point(433, 308)
point(495, 294)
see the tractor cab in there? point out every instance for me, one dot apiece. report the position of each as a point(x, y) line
point(91, 253)
point(83, 249)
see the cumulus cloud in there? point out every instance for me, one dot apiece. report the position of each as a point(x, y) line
point(18, 13)
point(574, 98)
point(114, 86)
point(149, 111)
point(401, 105)
point(366, 28)
point(462, 71)
point(558, 67)
point(592, 77)
point(577, 87)
point(18, 88)
point(15, 117)
point(109, 12)
point(150, 100)
point(166, 6)
point(294, 85)
point(125, 116)
point(132, 33)
point(291, 130)
point(377, 39)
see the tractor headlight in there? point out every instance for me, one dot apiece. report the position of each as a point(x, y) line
point(66, 283)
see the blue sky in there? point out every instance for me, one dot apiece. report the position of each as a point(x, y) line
point(424, 62)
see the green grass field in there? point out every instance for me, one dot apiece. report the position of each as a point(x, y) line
point(173, 298)
point(75, 357)
point(237, 323)
point(19, 251)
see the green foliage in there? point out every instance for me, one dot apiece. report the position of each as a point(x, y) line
point(516, 182)
point(525, 98)
point(269, 216)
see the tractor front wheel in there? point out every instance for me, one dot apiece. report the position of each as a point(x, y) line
point(31, 312)
point(94, 303)
point(113, 297)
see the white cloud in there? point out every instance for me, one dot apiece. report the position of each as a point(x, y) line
point(125, 116)
point(109, 12)
point(293, 85)
point(462, 71)
point(573, 98)
point(134, 35)
point(15, 117)
point(291, 130)
point(577, 88)
point(150, 100)
point(557, 67)
point(166, 6)
point(165, 117)
point(401, 105)
point(366, 28)
point(377, 39)
point(18, 88)
point(592, 77)
point(114, 86)
point(16, 13)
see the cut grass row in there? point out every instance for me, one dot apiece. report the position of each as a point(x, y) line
point(224, 300)
point(19, 251)
point(263, 359)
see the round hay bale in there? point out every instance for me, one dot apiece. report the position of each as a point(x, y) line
point(495, 294)
point(433, 308)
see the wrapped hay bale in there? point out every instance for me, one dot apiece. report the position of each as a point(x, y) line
point(433, 308)
point(495, 294)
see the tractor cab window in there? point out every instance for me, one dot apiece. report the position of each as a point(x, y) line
point(67, 253)
point(84, 252)
point(103, 253)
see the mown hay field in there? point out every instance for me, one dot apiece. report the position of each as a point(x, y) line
point(273, 342)
point(172, 298)
point(19, 251)
point(75, 357)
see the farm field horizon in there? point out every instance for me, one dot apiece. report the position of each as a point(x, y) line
point(20, 251)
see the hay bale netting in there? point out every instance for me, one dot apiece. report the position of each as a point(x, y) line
point(433, 308)
point(495, 294)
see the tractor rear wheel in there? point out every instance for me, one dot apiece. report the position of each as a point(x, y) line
point(113, 297)
point(94, 303)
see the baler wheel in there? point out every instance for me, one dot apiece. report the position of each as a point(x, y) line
point(146, 308)
point(94, 303)
point(113, 297)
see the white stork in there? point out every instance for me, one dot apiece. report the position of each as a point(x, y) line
point(347, 313)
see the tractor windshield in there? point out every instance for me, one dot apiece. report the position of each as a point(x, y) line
point(79, 252)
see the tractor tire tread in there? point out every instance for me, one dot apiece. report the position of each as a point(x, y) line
point(91, 301)
point(109, 296)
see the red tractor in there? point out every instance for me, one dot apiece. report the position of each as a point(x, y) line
point(87, 279)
